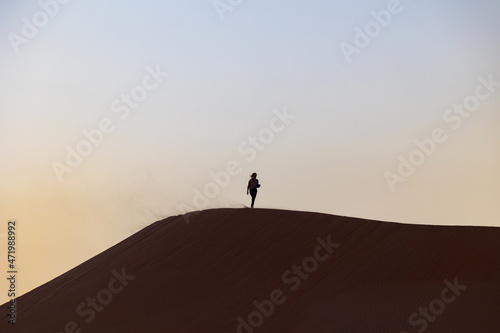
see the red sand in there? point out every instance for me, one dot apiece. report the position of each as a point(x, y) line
point(206, 275)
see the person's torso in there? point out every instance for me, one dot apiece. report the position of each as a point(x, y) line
point(253, 184)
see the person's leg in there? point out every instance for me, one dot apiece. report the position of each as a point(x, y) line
point(253, 193)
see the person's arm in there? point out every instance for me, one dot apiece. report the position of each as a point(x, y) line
point(248, 187)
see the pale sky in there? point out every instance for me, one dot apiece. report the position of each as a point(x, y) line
point(348, 118)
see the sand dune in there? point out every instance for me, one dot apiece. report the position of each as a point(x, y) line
point(262, 270)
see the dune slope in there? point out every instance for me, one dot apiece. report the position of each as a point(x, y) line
point(263, 270)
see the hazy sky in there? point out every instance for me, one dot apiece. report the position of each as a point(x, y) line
point(324, 100)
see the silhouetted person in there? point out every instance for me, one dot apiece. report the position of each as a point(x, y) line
point(253, 185)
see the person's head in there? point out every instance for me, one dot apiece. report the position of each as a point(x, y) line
point(254, 175)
